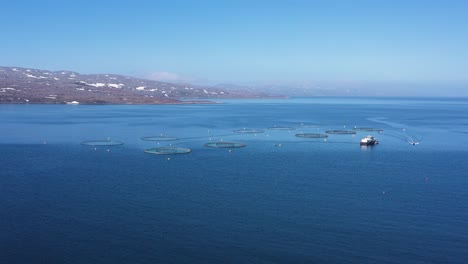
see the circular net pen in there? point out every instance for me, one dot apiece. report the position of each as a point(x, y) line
point(159, 138)
point(308, 126)
point(102, 143)
point(311, 135)
point(248, 131)
point(341, 132)
point(282, 128)
point(225, 145)
point(167, 151)
point(368, 129)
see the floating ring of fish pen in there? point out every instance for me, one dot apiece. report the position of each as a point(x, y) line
point(367, 129)
point(341, 132)
point(159, 138)
point(311, 135)
point(282, 128)
point(167, 151)
point(223, 144)
point(248, 131)
point(309, 126)
point(102, 143)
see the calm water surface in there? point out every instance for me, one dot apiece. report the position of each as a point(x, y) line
point(281, 199)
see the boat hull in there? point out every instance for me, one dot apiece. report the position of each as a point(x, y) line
point(370, 143)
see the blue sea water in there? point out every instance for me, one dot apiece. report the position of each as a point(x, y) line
point(281, 199)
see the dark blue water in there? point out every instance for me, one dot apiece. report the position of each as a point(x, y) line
point(308, 201)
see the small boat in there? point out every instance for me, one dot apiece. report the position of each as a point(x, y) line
point(369, 140)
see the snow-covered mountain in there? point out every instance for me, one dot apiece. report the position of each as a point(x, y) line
point(24, 85)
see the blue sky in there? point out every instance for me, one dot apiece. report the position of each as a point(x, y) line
point(323, 42)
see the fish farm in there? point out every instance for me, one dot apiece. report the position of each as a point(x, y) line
point(311, 135)
point(341, 132)
point(159, 138)
point(216, 139)
point(308, 126)
point(167, 151)
point(368, 129)
point(102, 143)
point(225, 145)
point(282, 128)
point(248, 131)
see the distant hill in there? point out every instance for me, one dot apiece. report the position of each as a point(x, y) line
point(24, 85)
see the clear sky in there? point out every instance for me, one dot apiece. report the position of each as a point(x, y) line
point(346, 42)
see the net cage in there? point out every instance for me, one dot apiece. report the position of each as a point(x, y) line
point(159, 138)
point(167, 151)
point(368, 129)
point(311, 135)
point(308, 126)
point(223, 144)
point(96, 143)
point(248, 131)
point(341, 132)
point(282, 128)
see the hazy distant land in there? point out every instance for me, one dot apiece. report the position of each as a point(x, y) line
point(25, 85)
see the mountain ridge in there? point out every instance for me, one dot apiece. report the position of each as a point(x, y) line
point(28, 85)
